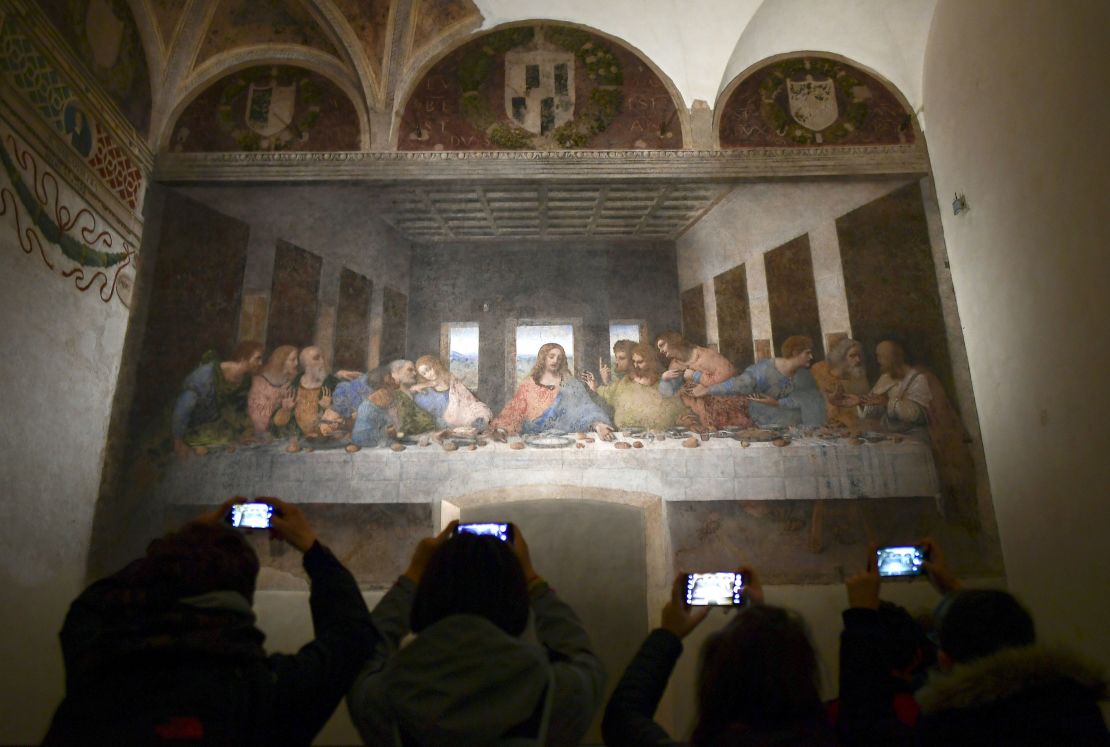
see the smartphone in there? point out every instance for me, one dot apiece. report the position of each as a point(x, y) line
point(714, 589)
point(500, 531)
point(900, 561)
point(250, 515)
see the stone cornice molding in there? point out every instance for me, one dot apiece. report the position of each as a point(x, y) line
point(49, 43)
point(391, 167)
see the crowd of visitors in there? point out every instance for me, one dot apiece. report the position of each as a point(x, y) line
point(166, 651)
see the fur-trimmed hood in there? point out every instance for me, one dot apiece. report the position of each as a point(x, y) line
point(1007, 673)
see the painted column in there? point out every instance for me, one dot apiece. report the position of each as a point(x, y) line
point(258, 279)
point(327, 308)
point(709, 297)
point(374, 349)
point(828, 279)
point(759, 302)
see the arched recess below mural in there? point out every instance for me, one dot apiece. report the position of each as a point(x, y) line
point(602, 549)
point(532, 502)
point(723, 99)
point(213, 76)
point(411, 84)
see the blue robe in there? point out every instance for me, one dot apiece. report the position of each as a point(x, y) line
point(800, 399)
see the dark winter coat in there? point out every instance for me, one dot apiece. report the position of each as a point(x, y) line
point(1018, 696)
point(629, 715)
point(144, 671)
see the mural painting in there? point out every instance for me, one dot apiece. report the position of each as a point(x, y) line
point(542, 87)
point(54, 224)
point(30, 74)
point(816, 444)
point(269, 108)
point(167, 12)
point(806, 101)
point(104, 36)
point(370, 22)
point(240, 23)
point(437, 17)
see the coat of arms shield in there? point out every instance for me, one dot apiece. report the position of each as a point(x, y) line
point(270, 107)
point(813, 102)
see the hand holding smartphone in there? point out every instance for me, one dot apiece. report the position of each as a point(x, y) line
point(502, 531)
point(253, 515)
point(900, 561)
point(715, 590)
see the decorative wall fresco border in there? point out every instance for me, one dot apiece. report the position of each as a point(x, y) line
point(581, 165)
point(36, 79)
point(72, 241)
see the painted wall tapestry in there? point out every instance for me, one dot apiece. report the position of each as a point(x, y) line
point(269, 108)
point(51, 221)
point(807, 101)
point(31, 75)
point(104, 36)
point(542, 87)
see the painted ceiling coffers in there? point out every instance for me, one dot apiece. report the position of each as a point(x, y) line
point(245, 23)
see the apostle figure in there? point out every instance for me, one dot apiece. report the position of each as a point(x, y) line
point(691, 366)
point(212, 407)
point(447, 399)
point(843, 381)
point(312, 395)
point(270, 396)
point(907, 397)
point(390, 405)
point(550, 398)
point(781, 391)
point(635, 398)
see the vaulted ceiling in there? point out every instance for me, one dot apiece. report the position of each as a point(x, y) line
point(173, 63)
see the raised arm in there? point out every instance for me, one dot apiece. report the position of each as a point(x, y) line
point(310, 683)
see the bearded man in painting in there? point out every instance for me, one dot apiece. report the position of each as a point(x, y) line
point(691, 366)
point(843, 380)
point(635, 398)
point(908, 397)
point(212, 407)
point(312, 394)
point(270, 402)
point(550, 398)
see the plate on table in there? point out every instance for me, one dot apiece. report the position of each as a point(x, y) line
point(756, 435)
point(549, 441)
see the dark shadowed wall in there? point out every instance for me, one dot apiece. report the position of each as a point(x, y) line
point(497, 285)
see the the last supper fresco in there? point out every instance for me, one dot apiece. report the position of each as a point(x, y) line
point(589, 369)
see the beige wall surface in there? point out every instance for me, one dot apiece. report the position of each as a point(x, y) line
point(61, 352)
point(1017, 122)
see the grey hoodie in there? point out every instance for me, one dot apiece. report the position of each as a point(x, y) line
point(464, 681)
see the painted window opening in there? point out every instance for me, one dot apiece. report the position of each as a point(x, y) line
point(462, 352)
point(529, 338)
point(623, 331)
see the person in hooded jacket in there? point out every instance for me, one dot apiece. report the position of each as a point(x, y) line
point(166, 650)
point(756, 684)
point(467, 676)
point(995, 684)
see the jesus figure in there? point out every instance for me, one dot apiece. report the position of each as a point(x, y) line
point(552, 399)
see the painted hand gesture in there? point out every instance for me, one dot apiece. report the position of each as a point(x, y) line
point(325, 397)
point(604, 370)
